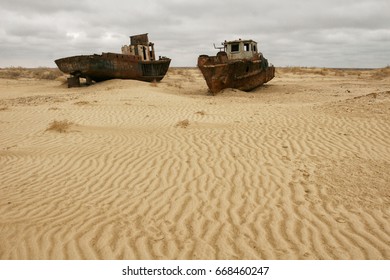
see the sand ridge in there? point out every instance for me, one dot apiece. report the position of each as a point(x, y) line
point(297, 169)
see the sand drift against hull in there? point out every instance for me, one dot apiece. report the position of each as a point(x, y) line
point(137, 61)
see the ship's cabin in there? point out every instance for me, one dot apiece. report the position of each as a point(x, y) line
point(240, 49)
point(141, 47)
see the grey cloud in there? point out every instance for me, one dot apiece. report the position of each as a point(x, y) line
point(28, 7)
point(309, 33)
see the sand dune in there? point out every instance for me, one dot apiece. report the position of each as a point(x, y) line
point(297, 169)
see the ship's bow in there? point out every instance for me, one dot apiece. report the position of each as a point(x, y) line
point(154, 70)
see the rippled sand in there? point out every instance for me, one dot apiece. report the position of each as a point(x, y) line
point(297, 169)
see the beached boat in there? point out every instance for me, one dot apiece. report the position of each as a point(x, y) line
point(238, 65)
point(137, 61)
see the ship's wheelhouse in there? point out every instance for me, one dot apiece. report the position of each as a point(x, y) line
point(240, 49)
point(140, 46)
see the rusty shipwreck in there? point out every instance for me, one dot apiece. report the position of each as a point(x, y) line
point(137, 61)
point(238, 65)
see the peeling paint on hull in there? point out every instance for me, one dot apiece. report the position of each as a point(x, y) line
point(113, 66)
point(242, 75)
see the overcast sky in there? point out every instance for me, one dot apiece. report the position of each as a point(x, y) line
point(331, 33)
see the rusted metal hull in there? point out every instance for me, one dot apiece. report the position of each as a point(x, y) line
point(113, 66)
point(221, 73)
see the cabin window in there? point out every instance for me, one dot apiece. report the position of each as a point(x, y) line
point(254, 48)
point(247, 47)
point(235, 47)
point(144, 52)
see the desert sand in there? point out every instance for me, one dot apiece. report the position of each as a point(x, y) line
point(296, 169)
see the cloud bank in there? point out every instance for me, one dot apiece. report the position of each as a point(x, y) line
point(343, 33)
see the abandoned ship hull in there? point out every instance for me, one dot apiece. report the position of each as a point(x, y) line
point(244, 75)
point(113, 66)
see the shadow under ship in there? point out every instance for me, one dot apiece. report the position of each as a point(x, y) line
point(238, 65)
point(137, 61)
